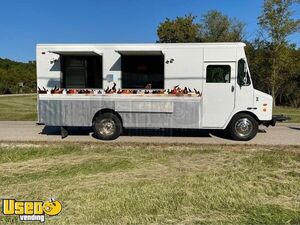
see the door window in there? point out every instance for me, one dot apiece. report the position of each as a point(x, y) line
point(218, 74)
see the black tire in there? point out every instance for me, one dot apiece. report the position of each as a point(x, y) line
point(243, 127)
point(107, 126)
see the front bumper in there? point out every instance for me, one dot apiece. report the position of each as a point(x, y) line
point(275, 118)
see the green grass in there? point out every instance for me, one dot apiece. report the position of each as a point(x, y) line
point(117, 183)
point(14, 108)
point(293, 113)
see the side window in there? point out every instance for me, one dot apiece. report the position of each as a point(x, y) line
point(82, 71)
point(218, 74)
point(243, 78)
point(140, 71)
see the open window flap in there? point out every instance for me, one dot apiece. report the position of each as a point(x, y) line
point(75, 53)
point(140, 52)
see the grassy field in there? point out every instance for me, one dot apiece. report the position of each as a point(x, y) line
point(14, 108)
point(293, 113)
point(24, 108)
point(155, 184)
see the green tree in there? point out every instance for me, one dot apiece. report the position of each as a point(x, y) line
point(258, 54)
point(290, 94)
point(12, 73)
point(217, 27)
point(182, 29)
point(213, 27)
point(277, 24)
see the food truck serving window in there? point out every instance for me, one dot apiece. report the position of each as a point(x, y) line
point(142, 71)
point(82, 71)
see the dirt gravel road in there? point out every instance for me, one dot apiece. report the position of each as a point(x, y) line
point(281, 134)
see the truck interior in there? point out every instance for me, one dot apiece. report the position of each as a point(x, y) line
point(142, 70)
point(82, 71)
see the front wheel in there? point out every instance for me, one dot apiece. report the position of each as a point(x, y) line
point(107, 126)
point(243, 127)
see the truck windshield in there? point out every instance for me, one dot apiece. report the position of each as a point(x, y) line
point(243, 78)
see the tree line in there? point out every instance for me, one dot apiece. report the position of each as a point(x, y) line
point(273, 60)
point(17, 77)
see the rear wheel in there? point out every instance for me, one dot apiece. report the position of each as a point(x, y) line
point(107, 126)
point(243, 127)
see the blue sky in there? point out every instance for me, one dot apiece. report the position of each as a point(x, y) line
point(24, 23)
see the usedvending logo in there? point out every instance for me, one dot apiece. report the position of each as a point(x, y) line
point(31, 210)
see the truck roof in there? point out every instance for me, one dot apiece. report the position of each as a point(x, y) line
point(209, 44)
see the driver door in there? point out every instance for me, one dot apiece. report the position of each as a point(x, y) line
point(218, 93)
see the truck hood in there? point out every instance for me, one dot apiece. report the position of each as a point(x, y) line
point(262, 95)
point(264, 103)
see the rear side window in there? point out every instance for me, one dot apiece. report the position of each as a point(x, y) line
point(218, 74)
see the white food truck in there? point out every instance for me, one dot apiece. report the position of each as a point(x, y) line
point(114, 86)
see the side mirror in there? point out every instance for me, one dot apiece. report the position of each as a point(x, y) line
point(245, 80)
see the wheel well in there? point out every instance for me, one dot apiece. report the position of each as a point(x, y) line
point(106, 110)
point(249, 113)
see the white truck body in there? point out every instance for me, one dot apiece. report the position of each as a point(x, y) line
point(187, 65)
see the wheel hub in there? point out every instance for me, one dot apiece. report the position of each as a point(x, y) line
point(243, 127)
point(107, 127)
